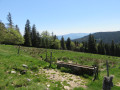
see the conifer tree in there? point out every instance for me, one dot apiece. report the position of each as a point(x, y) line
point(112, 48)
point(63, 43)
point(54, 37)
point(34, 36)
point(92, 44)
point(68, 44)
point(9, 18)
point(84, 47)
point(107, 49)
point(101, 48)
point(17, 28)
point(38, 42)
point(116, 50)
point(27, 35)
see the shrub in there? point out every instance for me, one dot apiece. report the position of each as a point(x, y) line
point(53, 66)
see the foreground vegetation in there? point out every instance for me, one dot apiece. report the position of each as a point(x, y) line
point(86, 59)
point(10, 61)
point(34, 59)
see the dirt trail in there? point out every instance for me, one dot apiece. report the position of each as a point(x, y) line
point(71, 80)
point(118, 84)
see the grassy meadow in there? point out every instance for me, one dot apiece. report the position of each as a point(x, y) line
point(34, 58)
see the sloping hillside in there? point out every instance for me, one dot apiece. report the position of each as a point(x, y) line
point(27, 71)
point(73, 35)
point(106, 37)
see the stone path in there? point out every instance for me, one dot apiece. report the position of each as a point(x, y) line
point(71, 80)
point(118, 84)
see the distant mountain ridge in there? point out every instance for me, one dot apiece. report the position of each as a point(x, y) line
point(73, 35)
point(106, 37)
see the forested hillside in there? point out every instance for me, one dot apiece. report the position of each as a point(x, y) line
point(106, 37)
point(73, 35)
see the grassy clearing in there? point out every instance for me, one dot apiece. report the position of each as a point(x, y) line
point(11, 61)
point(34, 59)
point(91, 59)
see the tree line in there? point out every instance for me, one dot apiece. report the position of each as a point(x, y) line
point(100, 48)
point(10, 34)
point(45, 39)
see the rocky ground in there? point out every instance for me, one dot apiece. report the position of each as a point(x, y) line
point(118, 84)
point(71, 80)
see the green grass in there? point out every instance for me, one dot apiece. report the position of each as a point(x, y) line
point(11, 61)
point(91, 59)
point(34, 59)
point(79, 88)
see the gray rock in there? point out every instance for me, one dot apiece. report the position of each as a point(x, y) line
point(67, 87)
point(25, 66)
point(48, 85)
point(13, 72)
point(23, 72)
point(28, 80)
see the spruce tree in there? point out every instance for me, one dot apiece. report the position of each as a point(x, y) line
point(68, 44)
point(62, 43)
point(92, 44)
point(9, 18)
point(84, 47)
point(17, 28)
point(54, 37)
point(38, 42)
point(112, 49)
point(116, 50)
point(27, 35)
point(34, 36)
point(101, 48)
point(107, 49)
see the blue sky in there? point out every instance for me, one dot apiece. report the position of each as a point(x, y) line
point(64, 16)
